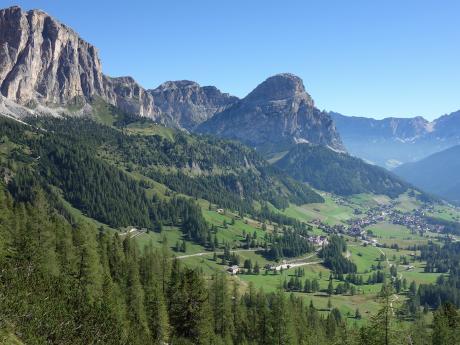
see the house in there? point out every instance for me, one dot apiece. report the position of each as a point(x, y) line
point(233, 269)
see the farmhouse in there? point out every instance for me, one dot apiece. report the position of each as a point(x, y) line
point(233, 269)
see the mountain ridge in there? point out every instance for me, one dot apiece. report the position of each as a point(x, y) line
point(393, 141)
point(46, 67)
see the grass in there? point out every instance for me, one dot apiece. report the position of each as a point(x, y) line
point(364, 257)
point(105, 113)
point(345, 303)
point(387, 233)
point(419, 276)
point(445, 213)
point(233, 233)
point(328, 212)
point(148, 128)
point(366, 201)
point(407, 203)
point(172, 235)
point(7, 337)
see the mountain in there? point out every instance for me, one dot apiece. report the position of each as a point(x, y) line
point(437, 173)
point(46, 68)
point(45, 62)
point(337, 172)
point(186, 104)
point(393, 141)
point(276, 115)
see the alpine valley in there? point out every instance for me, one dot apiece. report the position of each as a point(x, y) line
point(185, 215)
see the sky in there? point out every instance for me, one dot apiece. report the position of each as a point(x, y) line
point(363, 58)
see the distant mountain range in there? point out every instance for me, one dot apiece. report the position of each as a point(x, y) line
point(438, 174)
point(393, 141)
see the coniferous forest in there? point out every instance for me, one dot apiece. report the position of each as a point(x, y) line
point(67, 281)
point(72, 283)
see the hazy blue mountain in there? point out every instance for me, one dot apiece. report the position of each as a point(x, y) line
point(438, 173)
point(394, 141)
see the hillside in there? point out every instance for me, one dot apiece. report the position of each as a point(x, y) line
point(225, 173)
point(437, 174)
point(338, 173)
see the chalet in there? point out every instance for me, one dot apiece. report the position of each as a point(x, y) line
point(233, 269)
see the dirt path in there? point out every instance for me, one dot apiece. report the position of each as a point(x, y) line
point(298, 262)
point(218, 253)
point(288, 265)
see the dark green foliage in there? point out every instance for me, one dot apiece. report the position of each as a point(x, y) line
point(290, 244)
point(338, 173)
point(81, 176)
point(439, 259)
point(226, 173)
point(332, 255)
point(110, 292)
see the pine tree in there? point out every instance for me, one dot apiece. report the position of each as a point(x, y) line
point(220, 304)
point(330, 288)
point(446, 325)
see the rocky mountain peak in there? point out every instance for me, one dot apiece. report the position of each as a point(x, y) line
point(187, 104)
point(276, 115)
point(176, 85)
point(42, 59)
point(44, 62)
point(280, 87)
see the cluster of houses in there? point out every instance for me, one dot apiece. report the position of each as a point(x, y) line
point(318, 240)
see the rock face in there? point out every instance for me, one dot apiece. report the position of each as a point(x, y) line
point(186, 104)
point(393, 141)
point(276, 115)
point(44, 61)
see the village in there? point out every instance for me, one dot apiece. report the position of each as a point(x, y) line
point(358, 226)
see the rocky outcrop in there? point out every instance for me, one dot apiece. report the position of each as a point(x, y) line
point(276, 115)
point(186, 104)
point(43, 61)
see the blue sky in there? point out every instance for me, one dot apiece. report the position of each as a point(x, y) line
point(369, 58)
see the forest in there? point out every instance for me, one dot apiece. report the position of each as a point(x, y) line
point(68, 281)
point(65, 283)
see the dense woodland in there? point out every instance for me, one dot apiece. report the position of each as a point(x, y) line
point(223, 172)
point(72, 283)
point(446, 260)
point(333, 256)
